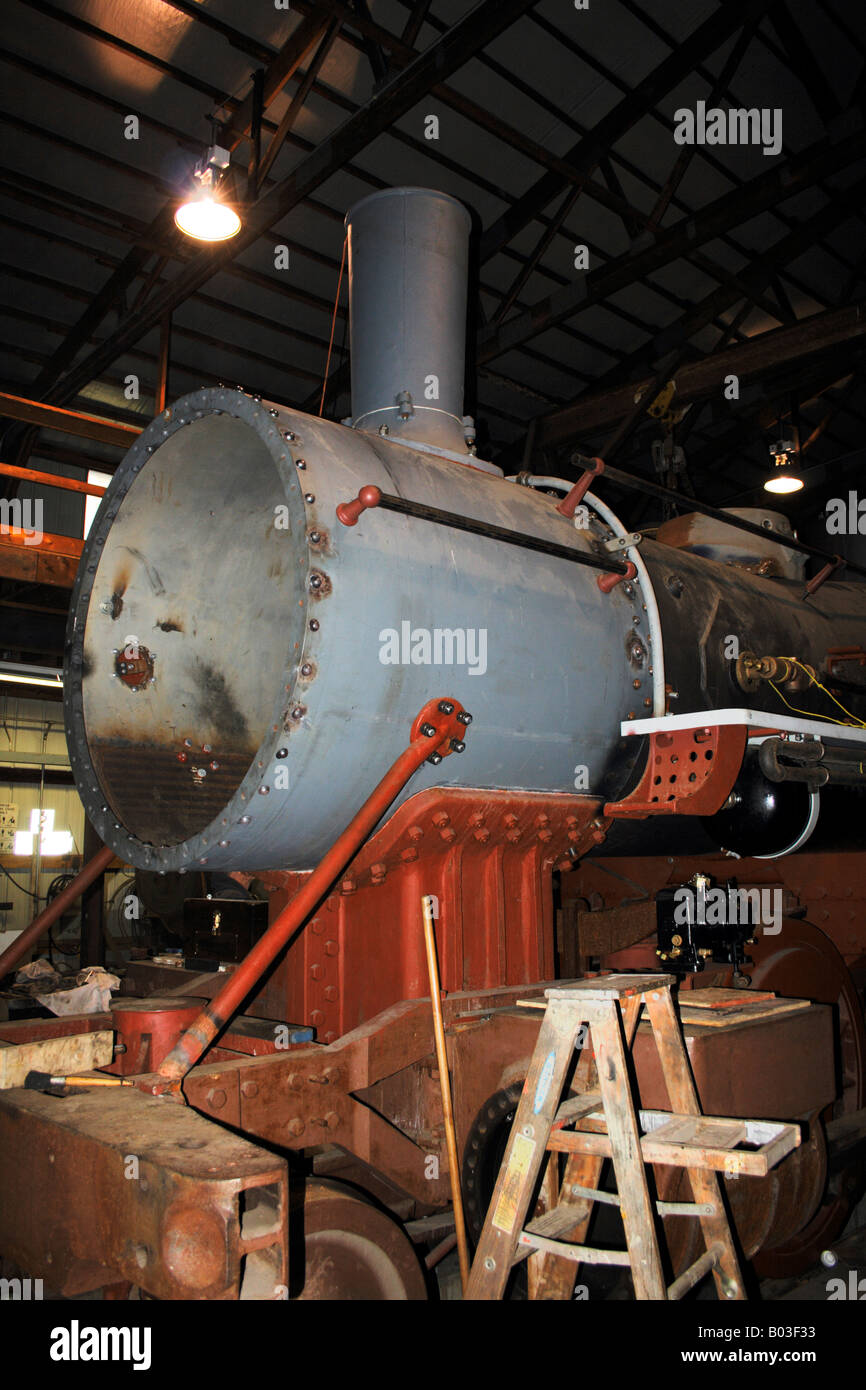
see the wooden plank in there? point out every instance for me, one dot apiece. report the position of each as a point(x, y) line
point(717, 998)
point(722, 1018)
point(67, 1056)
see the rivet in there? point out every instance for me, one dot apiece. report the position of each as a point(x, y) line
point(309, 497)
point(245, 820)
point(314, 624)
point(282, 752)
point(301, 463)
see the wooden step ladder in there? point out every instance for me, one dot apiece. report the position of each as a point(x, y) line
point(608, 1126)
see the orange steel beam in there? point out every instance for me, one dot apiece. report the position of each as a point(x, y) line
point(33, 475)
point(53, 561)
point(53, 417)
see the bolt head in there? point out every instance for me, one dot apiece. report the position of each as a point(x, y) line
point(435, 759)
point(446, 707)
point(464, 718)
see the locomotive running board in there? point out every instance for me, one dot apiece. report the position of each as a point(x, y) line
point(755, 719)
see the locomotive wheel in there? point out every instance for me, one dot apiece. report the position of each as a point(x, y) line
point(483, 1155)
point(345, 1248)
point(802, 963)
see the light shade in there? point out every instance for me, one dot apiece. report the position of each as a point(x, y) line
point(206, 219)
point(783, 481)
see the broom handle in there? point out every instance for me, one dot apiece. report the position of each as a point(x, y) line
point(445, 1084)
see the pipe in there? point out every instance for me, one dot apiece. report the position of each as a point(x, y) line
point(445, 1086)
point(408, 268)
point(633, 554)
point(49, 915)
point(446, 721)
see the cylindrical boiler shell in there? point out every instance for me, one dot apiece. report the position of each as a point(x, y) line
point(291, 654)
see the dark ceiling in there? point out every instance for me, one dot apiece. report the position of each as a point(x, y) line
point(556, 128)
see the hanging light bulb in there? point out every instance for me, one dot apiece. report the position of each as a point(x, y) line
point(205, 216)
point(783, 476)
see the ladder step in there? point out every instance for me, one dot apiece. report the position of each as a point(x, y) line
point(611, 988)
point(578, 1254)
point(695, 1272)
point(594, 1194)
point(576, 1107)
point(772, 1142)
point(698, 1131)
point(557, 1221)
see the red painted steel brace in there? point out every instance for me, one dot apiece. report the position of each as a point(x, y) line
point(49, 915)
point(441, 719)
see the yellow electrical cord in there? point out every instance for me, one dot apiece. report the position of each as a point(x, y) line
point(852, 719)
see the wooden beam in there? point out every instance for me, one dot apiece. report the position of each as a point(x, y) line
point(597, 142)
point(750, 360)
point(766, 190)
point(33, 475)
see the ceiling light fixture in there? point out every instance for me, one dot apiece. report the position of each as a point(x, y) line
point(205, 215)
point(783, 476)
point(30, 675)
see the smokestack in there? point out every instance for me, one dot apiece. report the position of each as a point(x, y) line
point(408, 260)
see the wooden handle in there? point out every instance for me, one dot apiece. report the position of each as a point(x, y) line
point(445, 1085)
